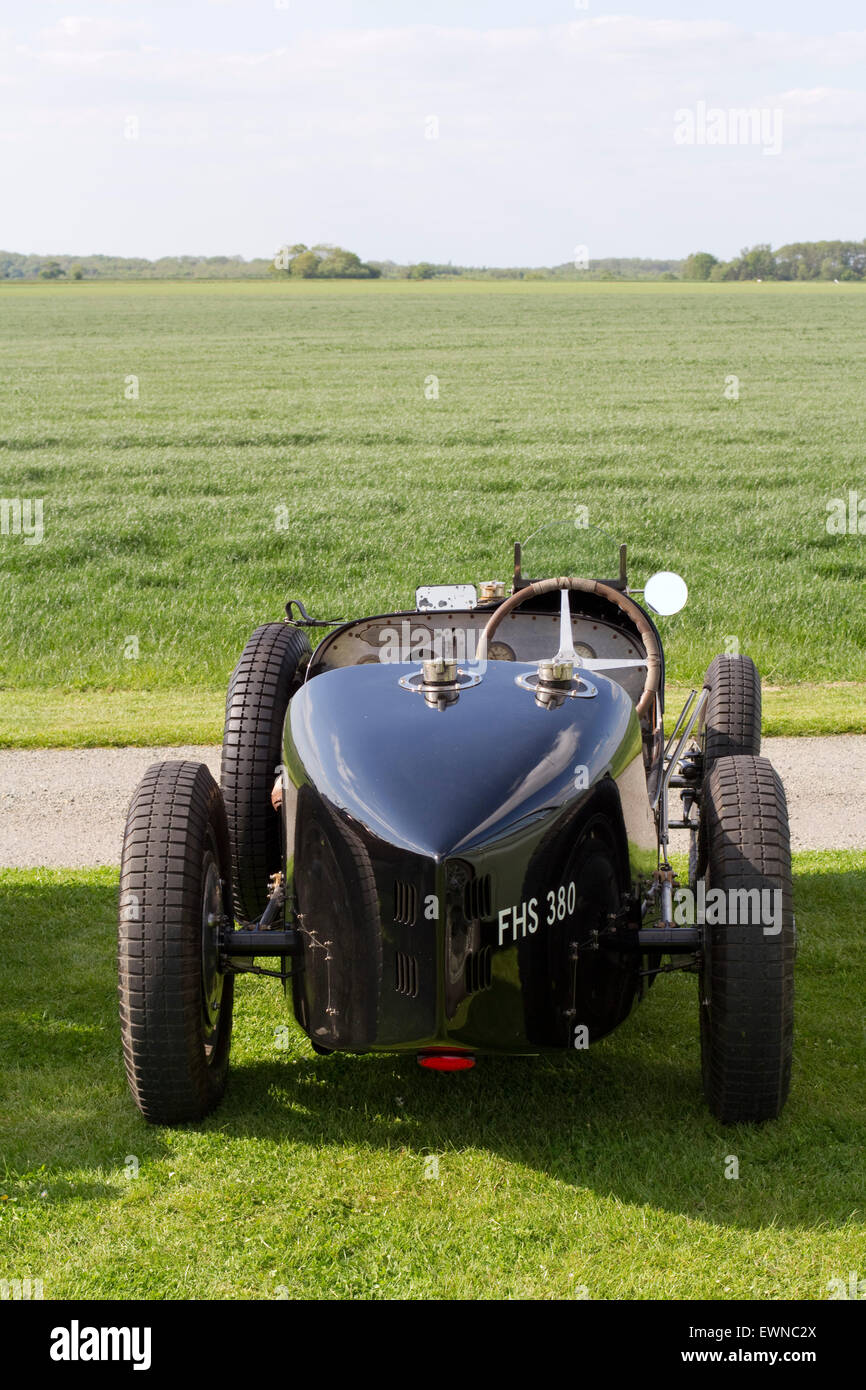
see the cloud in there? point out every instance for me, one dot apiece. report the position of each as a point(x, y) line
point(548, 136)
point(92, 36)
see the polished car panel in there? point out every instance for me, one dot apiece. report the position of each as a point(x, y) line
point(466, 815)
point(439, 781)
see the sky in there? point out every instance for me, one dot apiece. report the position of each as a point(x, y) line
point(482, 133)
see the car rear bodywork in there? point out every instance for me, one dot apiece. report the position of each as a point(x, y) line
point(434, 880)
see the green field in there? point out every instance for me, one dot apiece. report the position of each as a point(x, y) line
point(302, 407)
point(602, 1171)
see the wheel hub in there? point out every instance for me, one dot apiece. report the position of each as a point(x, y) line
point(212, 978)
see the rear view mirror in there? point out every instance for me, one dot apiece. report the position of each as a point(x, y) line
point(666, 593)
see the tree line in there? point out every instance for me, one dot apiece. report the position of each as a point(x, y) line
point(801, 260)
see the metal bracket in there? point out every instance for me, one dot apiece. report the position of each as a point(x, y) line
point(305, 620)
point(666, 940)
point(284, 975)
point(262, 943)
point(687, 720)
point(259, 938)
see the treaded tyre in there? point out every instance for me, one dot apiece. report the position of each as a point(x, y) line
point(732, 717)
point(270, 669)
point(747, 975)
point(175, 1003)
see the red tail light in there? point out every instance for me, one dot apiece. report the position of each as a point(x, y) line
point(446, 1061)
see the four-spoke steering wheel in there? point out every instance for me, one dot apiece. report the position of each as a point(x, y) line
point(652, 660)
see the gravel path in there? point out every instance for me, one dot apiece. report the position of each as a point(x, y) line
point(66, 807)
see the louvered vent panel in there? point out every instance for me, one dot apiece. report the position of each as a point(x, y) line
point(478, 898)
point(405, 902)
point(479, 973)
point(406, 974)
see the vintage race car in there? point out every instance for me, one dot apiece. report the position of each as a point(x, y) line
point(447, 830)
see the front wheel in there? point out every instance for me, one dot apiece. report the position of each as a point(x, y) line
point(747, 971)
point(175, 1001)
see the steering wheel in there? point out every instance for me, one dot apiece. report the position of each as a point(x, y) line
point(653, 660)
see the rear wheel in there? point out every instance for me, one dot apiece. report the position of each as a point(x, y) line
point(270, 670)
point(175, 1001)
point(747, 972)
point(732, 716)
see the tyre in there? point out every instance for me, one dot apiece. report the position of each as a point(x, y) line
point(270, 670)
point(732, 716)
point(695, 849)
point(175, 1002)
point(747, 970)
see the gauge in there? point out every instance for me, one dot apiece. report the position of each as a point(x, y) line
point(499, 651)
point(584, 650)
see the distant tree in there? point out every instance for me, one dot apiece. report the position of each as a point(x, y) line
point(389, 270)
point(340, 264)
point(76, 272)
point(422, 271)
point(52, 271)
point(698, 265)
point(753, 263)
point(322, 261)
point(813, 260)
point(306, 265)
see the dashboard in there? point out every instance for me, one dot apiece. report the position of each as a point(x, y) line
point(522, 636)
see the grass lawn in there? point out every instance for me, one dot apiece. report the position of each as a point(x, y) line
point(144, 718)
point(281, 443)
point(601, 1171)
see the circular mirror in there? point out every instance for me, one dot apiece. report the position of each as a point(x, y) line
point(666, 593)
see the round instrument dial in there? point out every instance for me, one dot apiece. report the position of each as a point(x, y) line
point(584, 650)
point(499, 651)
